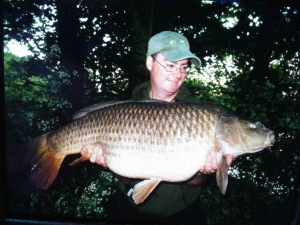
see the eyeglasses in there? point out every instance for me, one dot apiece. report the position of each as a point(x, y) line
point(171, 67)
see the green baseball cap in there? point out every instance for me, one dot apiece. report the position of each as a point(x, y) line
point(173, 46)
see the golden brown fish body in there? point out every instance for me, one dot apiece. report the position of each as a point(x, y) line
point(155, 140)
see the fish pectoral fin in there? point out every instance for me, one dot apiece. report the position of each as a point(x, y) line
point(222, 175)
point(81, 159)
point(142, 190)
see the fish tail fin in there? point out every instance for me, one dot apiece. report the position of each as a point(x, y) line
point(222, 175)
point(142, 190)
point(44, 161)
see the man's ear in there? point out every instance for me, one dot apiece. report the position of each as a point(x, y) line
point(149, 62)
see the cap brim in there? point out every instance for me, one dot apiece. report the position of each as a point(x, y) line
point(177, 54)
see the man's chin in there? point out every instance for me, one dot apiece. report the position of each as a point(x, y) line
point(172, 89)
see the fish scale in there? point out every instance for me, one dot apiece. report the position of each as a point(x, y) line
point(153, 140)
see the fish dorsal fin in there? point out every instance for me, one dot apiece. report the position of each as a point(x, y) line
point(83, 112)
point(142, 190)
point(222, 175)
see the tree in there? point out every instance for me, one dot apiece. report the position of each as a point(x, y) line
point(71, 44)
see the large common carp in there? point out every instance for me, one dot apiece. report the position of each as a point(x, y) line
point(150, 140)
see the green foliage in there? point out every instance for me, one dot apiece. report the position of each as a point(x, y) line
point(95, 196)
point(31, 96)
point(83, 195)
point(244, 203)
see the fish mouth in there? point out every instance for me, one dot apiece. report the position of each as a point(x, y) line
point(270, 140)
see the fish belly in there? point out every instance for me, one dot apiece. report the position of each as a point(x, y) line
point(173, 163)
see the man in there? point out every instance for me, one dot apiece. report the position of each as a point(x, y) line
point(168, 60)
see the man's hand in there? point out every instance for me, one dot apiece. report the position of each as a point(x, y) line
point(210, 167)
point(96, 156)
point(211, 164)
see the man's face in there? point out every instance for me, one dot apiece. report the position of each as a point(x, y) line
point(168, 82)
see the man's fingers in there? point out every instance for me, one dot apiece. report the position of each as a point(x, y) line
point(93, 157)
point(99, 152)
point(102, 161)
point(211, 163)
point(97, 156)
point(207, 168)
point(214, 163)
point(83, 150)
point(208, 162)
point(229, 159)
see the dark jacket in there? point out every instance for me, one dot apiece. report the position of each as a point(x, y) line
point(142, 92)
